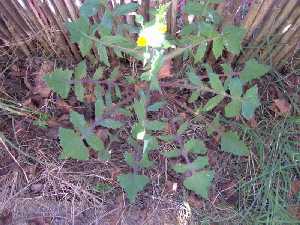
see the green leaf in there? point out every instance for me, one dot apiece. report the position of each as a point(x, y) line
point(218, 46)
point(195, 146)
point(208, 30)
point(214, 125)
point(139, 109)
point(199, 163)
point(214, 1)
point(233, 37)
point(72, 145)
point(89, 8)
point(103, 57)
point(192, 76)
point(253, 70)
point(78, 121)
point(212, 103)
point(231, 143)
point(150, 143)
point(99, 104)
point(215, 82)
point(250, 102)
point(59, 81)
point(124, 9)
point(200, 52)
point(183, 127)
point(109, 123)
point(167, 138)
point(80, 70)
point(98, 73)
point(95, 142)
point(78, 29)
point(85, 45)
point(132, 184)
point(79, 91)
point(106, 23)
point(226, 68)
point(233, 109)
point(156, 106)
point(129, 159)
point(138, 131)
point(155, 125)
point(236, 87)
point(194, 8)
point(171, 154)
point(194, 96)
point(200, 183)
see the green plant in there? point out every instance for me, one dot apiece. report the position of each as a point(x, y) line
point(152, 49)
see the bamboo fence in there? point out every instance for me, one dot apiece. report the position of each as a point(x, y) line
point(31, 27)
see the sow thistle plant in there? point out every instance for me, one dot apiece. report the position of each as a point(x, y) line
point(151, 48)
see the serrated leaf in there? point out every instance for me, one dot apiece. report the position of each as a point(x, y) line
point(98, 73)
point(156, 106)
point(214, 125)
point(199, 163)
point(72, 145)
point(109, 123)
point(80, 70)
point(194, 96)
point(89, 8)
point(200, 183)
point(95, 142)
point(132, 184)
point(78, 29)
point(195, 146)
point(59, 81)
point(226, 68)
point(253, 70)
point(99, 104)
point(233, 108)
point(233, 37)
point(103, 57)
point(212, 103)
point(200, 52)
point(124, 9)
point(250, 102)
point(155, 125)
point(218, 46)
point(208, 30)
point(78, 121)
point(235, 87)
point(85, 45)
point(215, 82)
point(79, 91)
point(183, 127)
point(231, 143)
point(192, 76)
point(171, 154)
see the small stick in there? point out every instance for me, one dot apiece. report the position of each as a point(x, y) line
point(6, 148)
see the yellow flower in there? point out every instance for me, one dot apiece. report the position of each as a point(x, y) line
point(142, 41)
point(162, 28)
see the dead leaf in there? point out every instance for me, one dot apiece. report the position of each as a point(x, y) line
point(283, 106)
point(165, 70)
point(295, 187)
point(40, 86)
point(294, 211)
point(64, 106)
point(253, 122)
point(195, 202)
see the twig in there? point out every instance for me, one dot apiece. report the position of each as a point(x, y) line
point(13, 157)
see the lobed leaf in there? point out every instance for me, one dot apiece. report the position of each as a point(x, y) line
point(72, 145)
point(231, 143)
point(133, 184)
point(59, 81)
point(200, 183)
